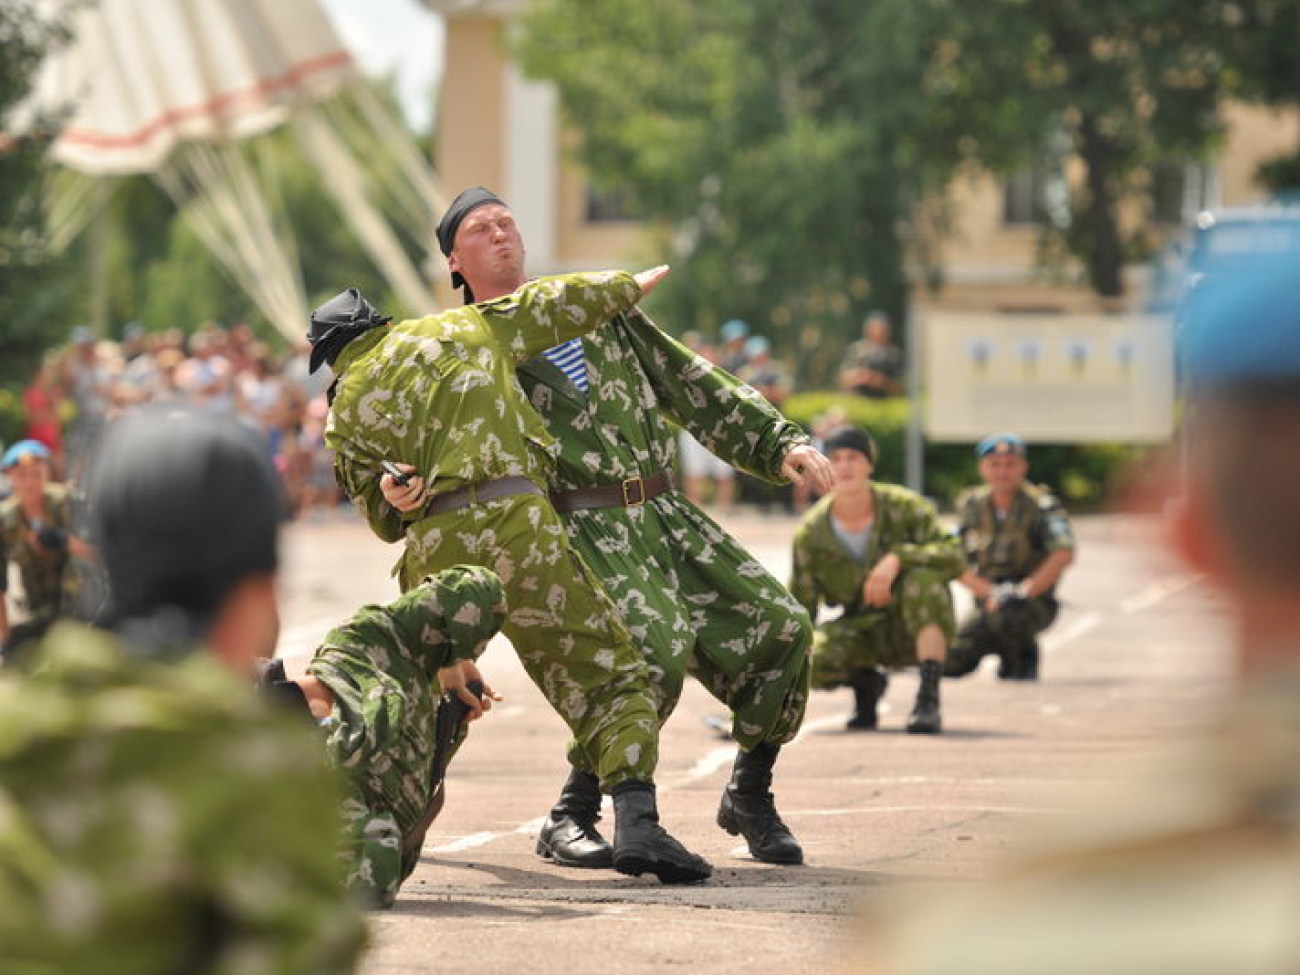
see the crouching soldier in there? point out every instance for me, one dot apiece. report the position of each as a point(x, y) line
point(1019, 543)
point(374, 685)
point(878, 551)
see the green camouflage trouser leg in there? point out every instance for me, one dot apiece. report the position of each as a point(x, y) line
point(1011, 633)
point(381, 666)
point(563, 626)
point(884, 637)
point(696, 602)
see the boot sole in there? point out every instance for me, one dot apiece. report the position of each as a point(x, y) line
point(545, 851)
point(636, 864)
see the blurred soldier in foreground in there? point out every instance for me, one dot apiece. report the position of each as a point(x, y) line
point(36, 525)
point(1019, 543)
point(156, 816)
point(439, 396)
point(877, 551)
point(373, 687)
point(1195, 866)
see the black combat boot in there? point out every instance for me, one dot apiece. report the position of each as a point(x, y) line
point(641, 845)
point(569, 835)
point(924, 719)
point(868, 688)
point(1021, 664)
point(748, 810)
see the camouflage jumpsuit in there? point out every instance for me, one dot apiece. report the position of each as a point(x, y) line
point(159, 817)
point(48, 583)
point(441, 393)
point(826, 572)
point(1008, 550)
point(693, 599)
point(382, 667)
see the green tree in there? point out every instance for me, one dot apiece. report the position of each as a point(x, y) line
point(798, 155)
point(779, 150)
point(32, 291)
point(1130, 84)
point(1264, 68)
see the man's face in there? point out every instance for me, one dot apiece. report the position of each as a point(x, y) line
point(849, 467)
point(28, 477)
point(488, 249)
point(1004, 472)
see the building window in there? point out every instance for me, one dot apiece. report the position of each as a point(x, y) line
point(1179, 191)
point(1024, 197)
point(609, 206)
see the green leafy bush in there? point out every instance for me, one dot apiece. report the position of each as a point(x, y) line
point(1082, 475)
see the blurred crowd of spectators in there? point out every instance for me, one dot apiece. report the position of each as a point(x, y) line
point(80, 386)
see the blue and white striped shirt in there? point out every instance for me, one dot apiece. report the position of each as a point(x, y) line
point(570, 360)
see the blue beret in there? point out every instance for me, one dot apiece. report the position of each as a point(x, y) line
point(24, 448)
point(734, 329)
point(757, 345)
point(1243, 326)
point(1001, 443)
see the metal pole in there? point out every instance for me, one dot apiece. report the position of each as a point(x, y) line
point(100, 231)
point(915, 452)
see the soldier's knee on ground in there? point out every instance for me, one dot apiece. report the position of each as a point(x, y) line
point(963, 657)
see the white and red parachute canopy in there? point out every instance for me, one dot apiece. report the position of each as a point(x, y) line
point(143, 75)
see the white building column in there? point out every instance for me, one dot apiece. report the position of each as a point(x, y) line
point(532, 165)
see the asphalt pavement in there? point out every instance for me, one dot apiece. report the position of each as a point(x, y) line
point(1137, 660)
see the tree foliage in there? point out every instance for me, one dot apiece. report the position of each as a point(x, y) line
point(1127, 85)
point(31, 286)
point(797, 155)
point(1263, 62)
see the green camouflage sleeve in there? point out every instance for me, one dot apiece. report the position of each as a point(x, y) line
point(1057, 530)
point(547, 311)
point(928, 545)
point(360, 482)
point(803, 581)
point(452, 615)
point(727, 416)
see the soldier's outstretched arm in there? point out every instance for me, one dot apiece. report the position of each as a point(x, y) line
point(547, 311)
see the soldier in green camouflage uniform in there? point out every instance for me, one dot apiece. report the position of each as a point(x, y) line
point(1018, 542)
point(373, 682)
point(36, 525)
point(694, 600)
point(890, 542)
point(440, 395)
point(156, 815)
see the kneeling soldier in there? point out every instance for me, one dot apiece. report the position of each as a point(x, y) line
point(878, 551)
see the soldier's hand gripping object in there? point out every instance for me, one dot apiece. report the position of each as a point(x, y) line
point(1005, 592)
point(399, 476)
point(451, 715)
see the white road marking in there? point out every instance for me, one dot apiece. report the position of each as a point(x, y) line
point(465, 843)
point(1071, 631)
point(1157, 592)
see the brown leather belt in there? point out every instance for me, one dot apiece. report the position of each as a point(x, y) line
point(626, 494)
point(502, 487)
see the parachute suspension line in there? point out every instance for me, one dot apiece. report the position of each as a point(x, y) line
point(387, 183)
point(214, 190)
point(345, 180)
point(69, 205)
point(419, 173)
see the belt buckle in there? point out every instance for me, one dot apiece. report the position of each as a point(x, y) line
point(632, 499)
